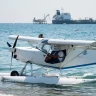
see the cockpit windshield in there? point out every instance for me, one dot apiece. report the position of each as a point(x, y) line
point(46, 48)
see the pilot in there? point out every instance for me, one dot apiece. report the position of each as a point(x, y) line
point(40, 36)
point(55, 57)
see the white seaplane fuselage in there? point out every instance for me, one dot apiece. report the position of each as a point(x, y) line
point(76, 53)
point(75, 57)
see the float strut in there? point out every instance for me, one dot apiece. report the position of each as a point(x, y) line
point(23, 69)
point(31, 69)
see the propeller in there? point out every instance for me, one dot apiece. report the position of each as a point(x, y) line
point(14, 45)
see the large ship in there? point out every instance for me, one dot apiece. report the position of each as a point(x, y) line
point(65, 18)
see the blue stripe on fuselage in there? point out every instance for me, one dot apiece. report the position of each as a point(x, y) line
point(71, 66)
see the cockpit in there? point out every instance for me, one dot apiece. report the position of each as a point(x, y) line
point(54, 53)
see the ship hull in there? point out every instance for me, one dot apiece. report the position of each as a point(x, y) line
point(72, 22)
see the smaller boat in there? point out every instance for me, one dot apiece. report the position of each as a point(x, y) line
point(40, 21)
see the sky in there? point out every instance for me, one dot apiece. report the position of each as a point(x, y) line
point(23, 11)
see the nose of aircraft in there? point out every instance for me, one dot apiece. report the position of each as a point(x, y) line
point(11, 49)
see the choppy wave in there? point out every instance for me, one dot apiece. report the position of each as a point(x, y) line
point(89, 76)
point(2, 94)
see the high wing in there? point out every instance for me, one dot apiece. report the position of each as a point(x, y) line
point(70, 42)
point(54, 41)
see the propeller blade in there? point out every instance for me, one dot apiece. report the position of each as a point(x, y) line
point(11, 60)
point(15, 41)
point(8, 44)
point(12, 55)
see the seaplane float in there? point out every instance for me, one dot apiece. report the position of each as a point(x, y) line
point(57, 54)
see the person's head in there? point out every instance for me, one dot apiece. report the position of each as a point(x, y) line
point(41, 36)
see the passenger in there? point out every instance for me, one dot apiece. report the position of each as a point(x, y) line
point(61, 56)
point(40, 36)
point(48, 58)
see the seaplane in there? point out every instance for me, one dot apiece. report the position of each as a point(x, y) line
point(57, 54)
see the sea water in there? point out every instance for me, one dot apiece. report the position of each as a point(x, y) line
point(64, 31)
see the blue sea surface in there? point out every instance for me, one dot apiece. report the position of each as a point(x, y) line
point(64, 31)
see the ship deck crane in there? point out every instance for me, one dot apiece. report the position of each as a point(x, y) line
point(40, 21)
